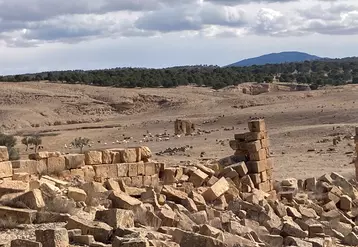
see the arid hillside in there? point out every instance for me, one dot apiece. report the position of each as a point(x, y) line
point(302, 124)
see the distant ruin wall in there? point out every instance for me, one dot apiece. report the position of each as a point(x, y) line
point(132, 165)
point(183, 127)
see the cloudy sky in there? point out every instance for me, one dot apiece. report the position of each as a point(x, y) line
point(40, 35)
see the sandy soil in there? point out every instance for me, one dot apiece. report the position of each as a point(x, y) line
point(297, 121)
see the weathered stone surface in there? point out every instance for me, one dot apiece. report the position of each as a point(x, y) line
point(345, 203)
point(167, 215)
point(5, 169)
point(99, 230)
point(198, 177)
point(4, 154)
point(293, 212)
point(25, 243)
point(21, 176)
point(18, 216)
point(173, 194)
point(145, 153)
point(123, 201)
point(132, 169)
point(33, 167)
point(74, 161)
point(290, 228)
point(55, 165)
point(129, 242)
point(77, 194)
point(215, 191)
point(106, 171)
point(189, 239)
point(32, 199)
point(53, 237)
point(116, 218)
point(293, 241)
point(190, 204)
point(128, 155)
point(122, 169)
point(93, 157)
point(351, 239)
point(50, 217)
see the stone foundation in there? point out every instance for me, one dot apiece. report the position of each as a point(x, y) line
point(183, 127)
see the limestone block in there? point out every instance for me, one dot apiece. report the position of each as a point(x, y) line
point(254, 146)
point(25, 243)
point(74, 161)
point(145, 153)
point(137, 181)
point(77, 194)
point(129, 155)
point(215, 191)
point(123, 169)
point(17, 215)
point(106, 170)
point(107, 157)
point(21, 176)
point(345, 203)
point(33, 167)
point(112, 184)
point(4, 154)
point(32, 199)
point(254, 136)
point(173, 194)
point(93, 157)
point(256, 178)
point(99, 230)
point(123, 201)
point(257, 125)
point(150, 168)
point(13, 186)
point(256, 166)
point(5, 169)
point(258, 155)
point(53, 237)
point(147, 181)
point(132, 169)
point(116, 218)
point(89, 173)
point(264, 177)
point(198, 178)
point(141, 168)
point(56, 165)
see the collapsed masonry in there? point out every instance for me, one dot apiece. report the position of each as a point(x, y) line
point(206, 204)
point(183, 127)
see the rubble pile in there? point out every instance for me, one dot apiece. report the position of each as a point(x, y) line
point(212, 205)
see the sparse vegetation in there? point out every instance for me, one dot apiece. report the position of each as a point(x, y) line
point(80, 143)
point(26, 142)
point(9, 141)
point(317, 72)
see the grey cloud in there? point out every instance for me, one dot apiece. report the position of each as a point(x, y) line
point(237, 2)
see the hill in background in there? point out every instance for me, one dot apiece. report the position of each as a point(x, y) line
point(275, 58)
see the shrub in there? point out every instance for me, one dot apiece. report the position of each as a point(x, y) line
point(57, 123)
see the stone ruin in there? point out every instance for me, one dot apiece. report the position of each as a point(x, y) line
point(215, 204)
point(253, 148)
point(183, 127)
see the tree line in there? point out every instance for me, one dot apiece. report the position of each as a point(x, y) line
point(316, 73)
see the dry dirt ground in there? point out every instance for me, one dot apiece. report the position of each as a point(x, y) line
point(297, 121)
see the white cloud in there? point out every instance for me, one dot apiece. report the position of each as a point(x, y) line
point(44, 23)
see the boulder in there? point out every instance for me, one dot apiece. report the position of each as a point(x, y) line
point(53, 237)
point(32, 199)
point(116, 218)
point(99, 230)
point(123, 201)
point(77, 194)
point(217, 190)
